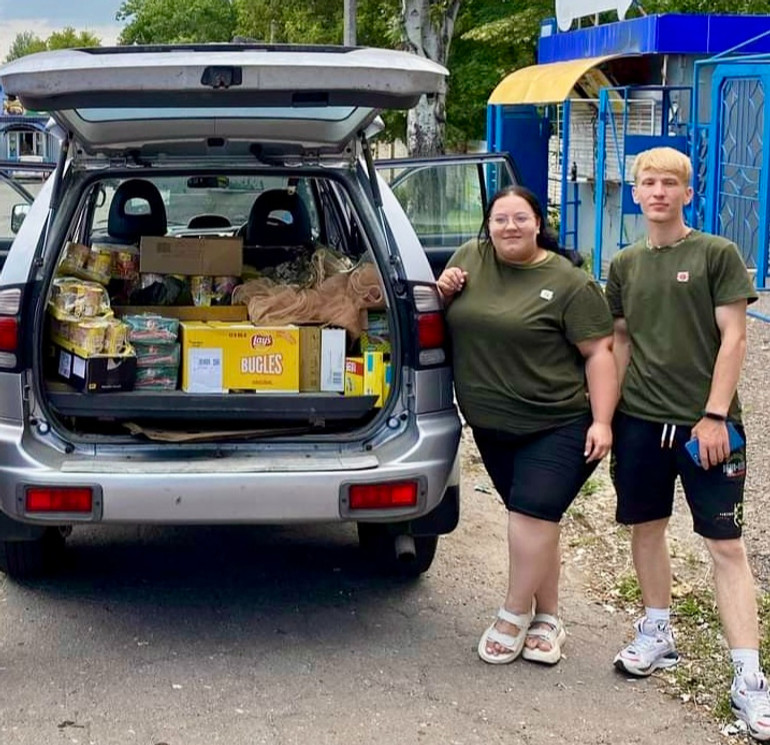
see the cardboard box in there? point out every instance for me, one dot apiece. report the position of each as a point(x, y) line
point(377, 322)
point(354, 376)
point(187, 312)
point(373, 375)
point(96, 374)
point(219, 357)
point(191, 256)
point(309, 358)
point(333, 360)
point(374, 342)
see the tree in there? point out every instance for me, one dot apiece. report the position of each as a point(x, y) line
point(428, 27)
point(25, 43)
point(492, 38)
point(71, 39)
point(28, 43)
point(176, 21)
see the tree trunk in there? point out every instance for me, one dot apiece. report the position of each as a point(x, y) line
point(428, 29)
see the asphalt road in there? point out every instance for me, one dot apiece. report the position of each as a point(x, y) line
point(250, 635)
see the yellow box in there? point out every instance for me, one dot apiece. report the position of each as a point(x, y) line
point(218, 357)
point(387, 379)
point(354, 376)
point(373, 375)
point(309, 358)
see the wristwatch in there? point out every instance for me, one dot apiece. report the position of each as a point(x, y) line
point(713, 415)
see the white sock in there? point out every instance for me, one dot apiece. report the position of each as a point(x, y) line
point(661, 617)
point(745, 661)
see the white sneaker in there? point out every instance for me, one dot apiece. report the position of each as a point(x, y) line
point(652, 649)
point(750, 702)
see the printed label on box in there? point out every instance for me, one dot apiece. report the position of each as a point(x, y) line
point(373, 375)
point(65, 364)
point(354, 376)
point(333, 360)
point(79, 367)
point(205, 371)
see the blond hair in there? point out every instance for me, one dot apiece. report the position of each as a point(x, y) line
point(663, 159)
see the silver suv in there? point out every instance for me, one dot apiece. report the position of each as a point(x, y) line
point(267, 146)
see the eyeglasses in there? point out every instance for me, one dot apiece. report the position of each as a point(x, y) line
point(521, 219)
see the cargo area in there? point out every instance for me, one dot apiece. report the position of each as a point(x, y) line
point(216, 306)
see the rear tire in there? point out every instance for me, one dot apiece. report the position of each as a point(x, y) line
point(33, 558)
point(378, 544)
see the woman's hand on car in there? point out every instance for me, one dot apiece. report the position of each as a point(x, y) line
point(598, 441)
point(451, 281)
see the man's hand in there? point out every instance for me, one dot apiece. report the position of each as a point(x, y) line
point(713, 441)
point(451, 281)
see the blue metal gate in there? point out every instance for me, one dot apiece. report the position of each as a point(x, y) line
point(738, 171)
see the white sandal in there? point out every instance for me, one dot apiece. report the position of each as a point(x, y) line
point(555, 636)
point(514, 644)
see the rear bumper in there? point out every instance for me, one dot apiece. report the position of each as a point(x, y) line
point(256, 488)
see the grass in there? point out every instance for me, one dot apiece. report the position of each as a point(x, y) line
point(703, 676)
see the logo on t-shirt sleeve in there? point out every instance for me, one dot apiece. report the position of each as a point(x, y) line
point(683, 276)
point(546, 294)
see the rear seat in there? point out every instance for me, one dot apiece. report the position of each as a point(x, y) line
point(278, 229)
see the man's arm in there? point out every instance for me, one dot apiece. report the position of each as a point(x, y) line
point(621, 348)
point(712, 434)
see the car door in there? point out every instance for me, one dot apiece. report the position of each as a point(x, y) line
point(18, 187)
point(446, 197)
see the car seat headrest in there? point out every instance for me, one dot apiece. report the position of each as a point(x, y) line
point(278, 218)
point(136, 209)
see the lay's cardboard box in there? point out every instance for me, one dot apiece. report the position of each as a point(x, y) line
point(218, 357)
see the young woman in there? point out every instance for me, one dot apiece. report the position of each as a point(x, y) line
point(535, 379)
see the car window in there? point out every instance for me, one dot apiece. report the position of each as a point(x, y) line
point(206, 201)
point(445, 199)
point(16, 192)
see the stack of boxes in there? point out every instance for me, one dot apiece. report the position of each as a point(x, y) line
point(154, 339)
point(370, 373)
point(214, 349)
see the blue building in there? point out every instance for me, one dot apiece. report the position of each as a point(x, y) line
point(601, 94)
point(23, 134)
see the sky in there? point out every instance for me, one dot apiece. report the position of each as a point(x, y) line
point(43, 17)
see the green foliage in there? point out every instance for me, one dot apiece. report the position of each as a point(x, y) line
point(25, 43)
point(176, 21)
point(492, 38)
point(68, 38)
point(627, 590)
point(28, 43)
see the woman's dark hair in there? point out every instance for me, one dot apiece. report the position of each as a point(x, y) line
point(546, 238)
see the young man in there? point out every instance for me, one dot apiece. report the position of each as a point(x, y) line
point(679, 301)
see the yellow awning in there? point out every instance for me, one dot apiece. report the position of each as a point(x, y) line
point(541, 84)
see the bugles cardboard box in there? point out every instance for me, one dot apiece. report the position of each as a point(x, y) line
point(218, 357)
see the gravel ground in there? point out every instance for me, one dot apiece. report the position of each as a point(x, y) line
point(755, 395)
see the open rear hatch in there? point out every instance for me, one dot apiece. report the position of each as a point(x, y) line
point(212, 127)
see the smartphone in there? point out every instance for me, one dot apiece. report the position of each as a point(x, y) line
point(735, 439)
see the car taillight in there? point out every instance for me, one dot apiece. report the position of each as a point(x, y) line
point(383, 496)
point(58, 499)
point(10, 303)
point(9, 334)
point(431, 327)
point(431, 330)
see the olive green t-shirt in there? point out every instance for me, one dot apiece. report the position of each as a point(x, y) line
point(667, 296)
point(513, 331)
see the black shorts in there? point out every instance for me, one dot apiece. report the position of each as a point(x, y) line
point(538, 474)
point(644, 468)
